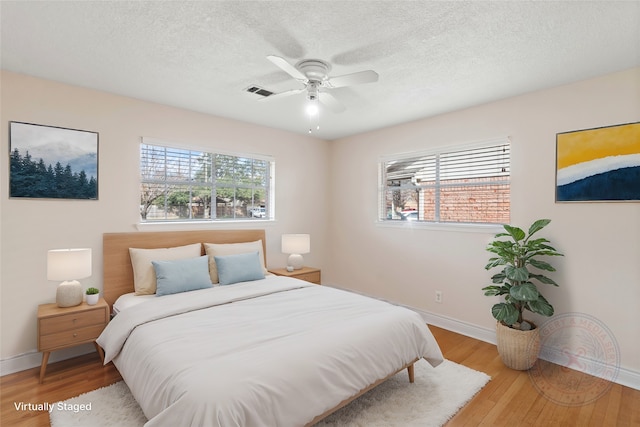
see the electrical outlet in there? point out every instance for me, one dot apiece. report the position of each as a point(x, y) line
point(439, 297)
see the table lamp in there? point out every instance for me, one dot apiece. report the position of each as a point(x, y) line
point(68, 265)
point(295, 245)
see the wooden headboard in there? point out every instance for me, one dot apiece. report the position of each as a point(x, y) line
point(118, 272)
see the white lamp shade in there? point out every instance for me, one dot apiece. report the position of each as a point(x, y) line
point(68, 264)
point(296, 243)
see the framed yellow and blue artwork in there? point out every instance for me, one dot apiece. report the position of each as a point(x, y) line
point(599, 165)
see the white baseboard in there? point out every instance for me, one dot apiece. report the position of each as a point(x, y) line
point(33, 359)
point(628, 378)
point(622, 376)
point(458, 326)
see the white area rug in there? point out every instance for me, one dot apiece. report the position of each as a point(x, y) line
point(435, 397)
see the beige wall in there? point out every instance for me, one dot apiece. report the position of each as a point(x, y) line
point(600, 274)
point(337, 203)
point(31, 227)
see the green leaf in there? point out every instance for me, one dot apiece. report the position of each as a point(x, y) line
point(525, 292)
point(541, 306)
point(516, 233)
point(538, 225)
point(505, 313)
point(543, 279)
point(542, 265)
point(498, 278)
point(491, 291)
point(517, 274)
point(494, 262)
point(545, 250)
point(541, 252)
point(537, 242)
point(500, 245)
point(550, 251)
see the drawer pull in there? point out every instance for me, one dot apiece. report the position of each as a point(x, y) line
point(74, 320)
point(75, 335)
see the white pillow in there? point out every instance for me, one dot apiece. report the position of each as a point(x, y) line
point(144, 276)
point(222, 249)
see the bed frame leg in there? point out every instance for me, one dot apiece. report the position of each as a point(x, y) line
point(410, 371)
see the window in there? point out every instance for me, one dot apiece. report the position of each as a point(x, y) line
point(189, 185)
point(466, 185)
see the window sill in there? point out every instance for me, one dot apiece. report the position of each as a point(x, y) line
point(443, 226)
point(200, 225)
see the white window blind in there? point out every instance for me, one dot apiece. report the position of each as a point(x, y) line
point(466, 185)
point(184, 185)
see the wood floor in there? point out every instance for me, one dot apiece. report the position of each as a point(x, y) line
point(509, 399)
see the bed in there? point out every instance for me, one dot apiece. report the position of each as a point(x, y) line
point(269, 351)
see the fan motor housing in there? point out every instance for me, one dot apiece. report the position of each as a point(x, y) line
point(314, 69)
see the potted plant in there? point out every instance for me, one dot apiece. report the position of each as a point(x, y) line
point(518, 339)
point(93, 294)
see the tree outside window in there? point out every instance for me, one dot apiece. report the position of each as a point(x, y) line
point(181, 184)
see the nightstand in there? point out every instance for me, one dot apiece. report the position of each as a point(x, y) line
point(60, 328)
point(309, 274)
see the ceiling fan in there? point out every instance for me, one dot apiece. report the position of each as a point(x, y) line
point(314, 75)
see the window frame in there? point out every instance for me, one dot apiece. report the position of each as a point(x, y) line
point(269, 188)
point(382, 219)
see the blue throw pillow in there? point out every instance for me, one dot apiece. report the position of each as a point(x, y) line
point(181, 275)
point(239, 268)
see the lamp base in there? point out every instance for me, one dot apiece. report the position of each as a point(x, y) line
point(296, 261)
point(69, 294)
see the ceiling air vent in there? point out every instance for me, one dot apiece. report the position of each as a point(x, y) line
point(259, 91)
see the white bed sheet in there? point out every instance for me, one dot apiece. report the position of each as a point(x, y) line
point(274, 352)
point(129, 300)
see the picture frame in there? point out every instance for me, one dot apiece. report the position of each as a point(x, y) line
point(50, 162)
point(599, 164)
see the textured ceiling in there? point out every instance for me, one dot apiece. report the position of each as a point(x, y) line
point(432, 57)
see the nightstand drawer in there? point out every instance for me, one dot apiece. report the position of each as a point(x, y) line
point(313, 277)
point(52, 325)
point(70, 337)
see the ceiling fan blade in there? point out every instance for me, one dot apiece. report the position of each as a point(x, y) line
point(368, 76)
point(282, 94)
point(287, 67)
point(331, 102)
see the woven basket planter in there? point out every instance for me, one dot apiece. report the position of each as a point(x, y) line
point(518, 349)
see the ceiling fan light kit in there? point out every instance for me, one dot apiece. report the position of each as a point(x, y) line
point(313, 109)
point(314, 75)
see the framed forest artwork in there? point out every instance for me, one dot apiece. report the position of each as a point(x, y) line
point(48, 162)
point(599, 165)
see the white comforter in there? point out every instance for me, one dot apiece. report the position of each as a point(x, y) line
point(274, 352)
